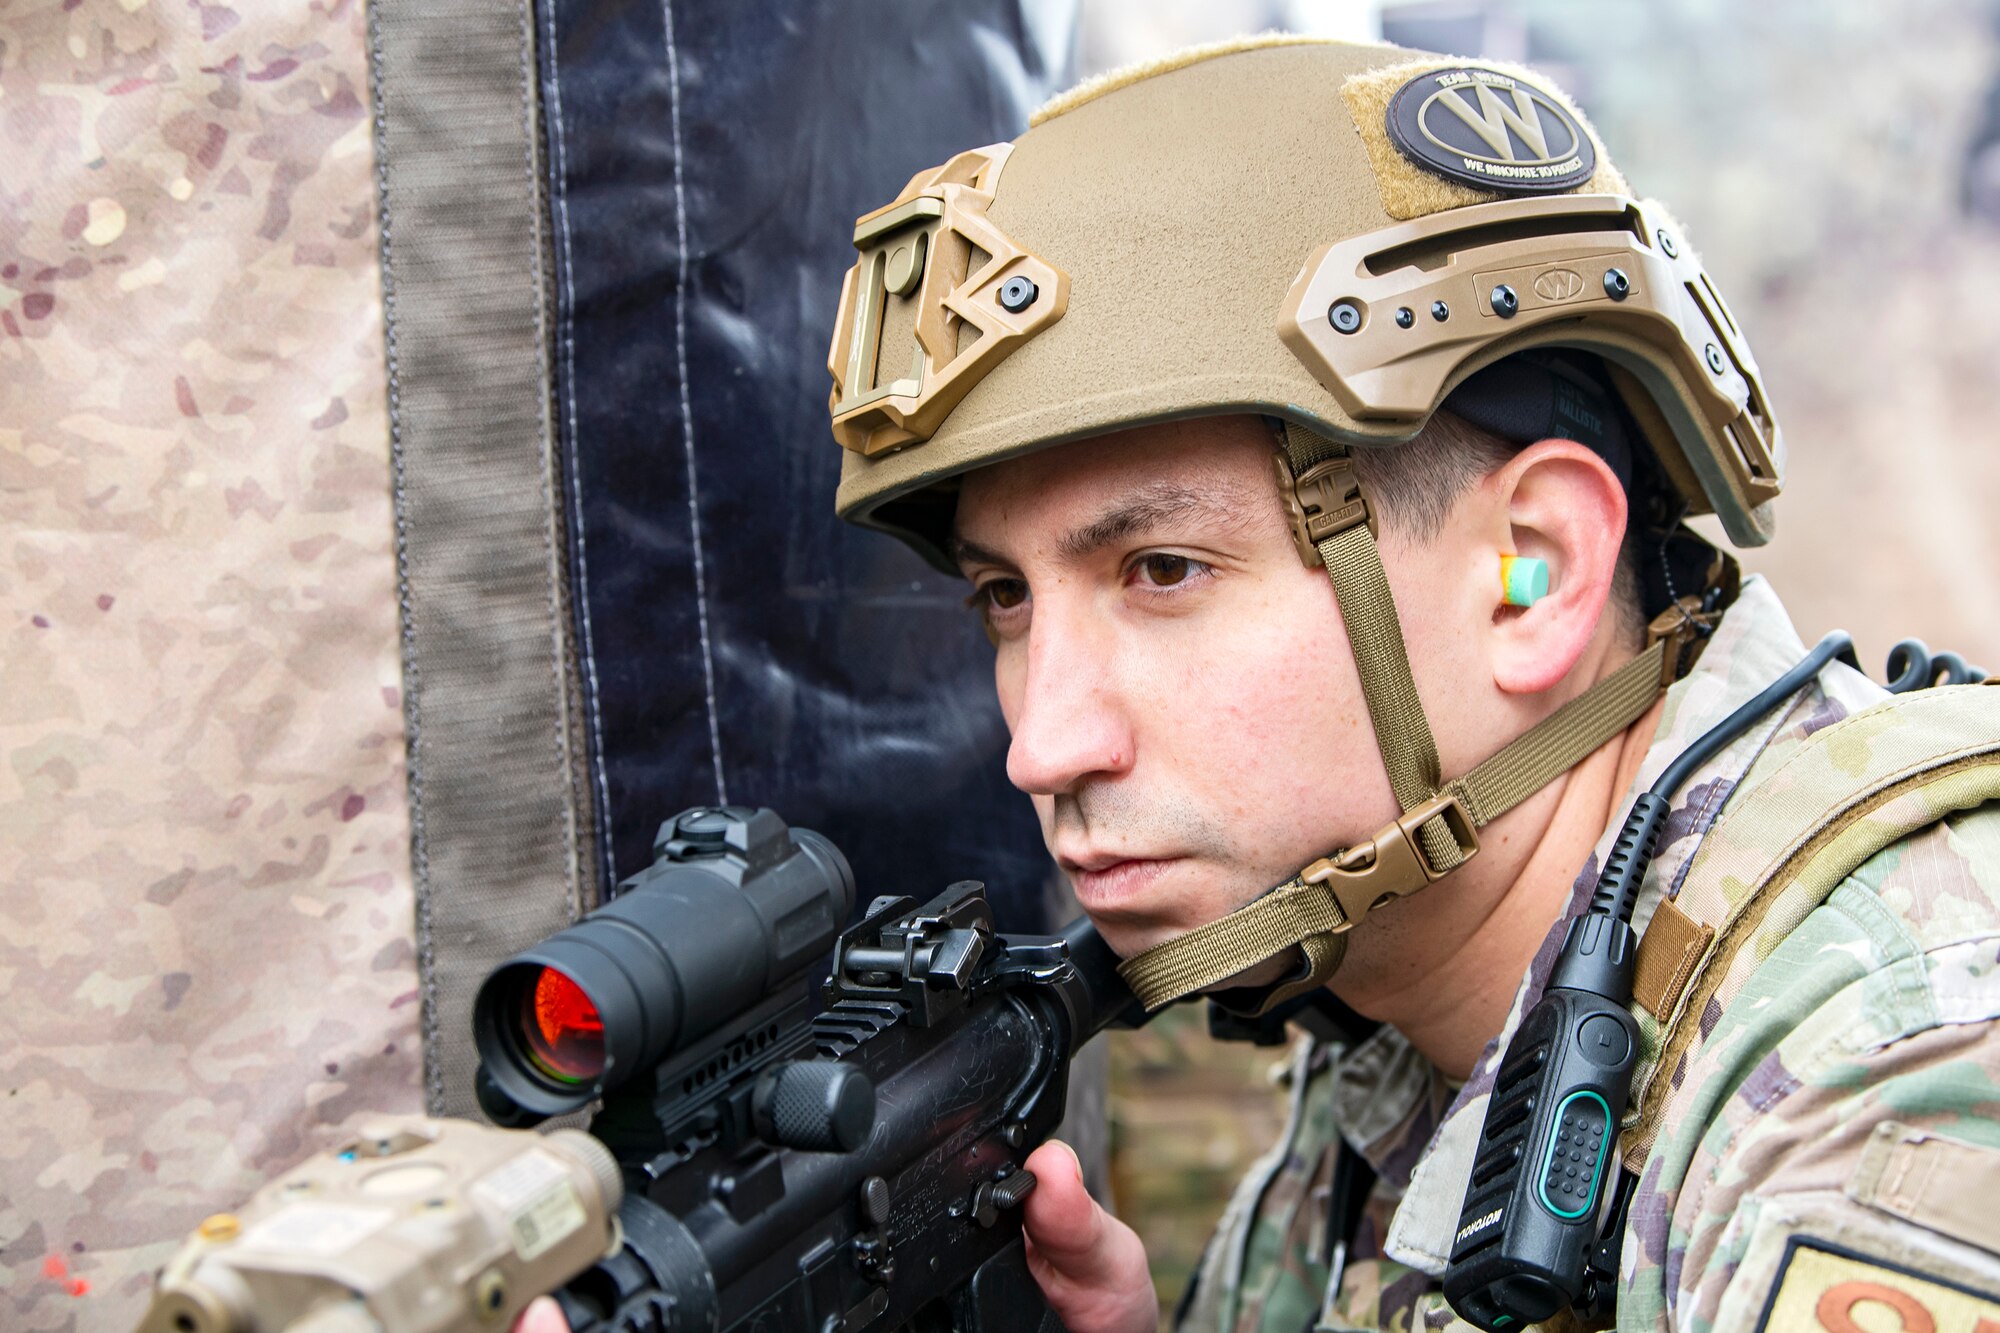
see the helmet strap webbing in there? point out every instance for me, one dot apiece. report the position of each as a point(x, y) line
point(1375, 632)
point(1436, 833)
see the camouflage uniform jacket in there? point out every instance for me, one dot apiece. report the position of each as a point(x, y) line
point(1832, 1146)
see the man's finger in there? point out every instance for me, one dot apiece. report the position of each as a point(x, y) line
point(543, 1315)
point(1062, 1219)
point(1091, 1267)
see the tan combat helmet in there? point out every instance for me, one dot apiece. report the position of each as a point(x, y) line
point(1334, 236)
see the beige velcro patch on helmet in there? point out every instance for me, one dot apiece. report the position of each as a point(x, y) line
point(1410, 190)
point(1101, 85)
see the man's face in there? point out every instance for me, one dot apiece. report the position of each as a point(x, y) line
point(1184, 707)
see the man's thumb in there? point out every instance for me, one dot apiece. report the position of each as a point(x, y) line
point(1090, 1266)
point(1063, 1221)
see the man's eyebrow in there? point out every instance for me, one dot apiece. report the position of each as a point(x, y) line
point(963, 553)
point(1145, 509)
point(1138, 511)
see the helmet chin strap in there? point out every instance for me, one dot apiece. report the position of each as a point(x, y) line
point(1437, 831)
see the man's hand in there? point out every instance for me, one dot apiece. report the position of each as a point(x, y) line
point(1091, 1266)
point(543, 1315)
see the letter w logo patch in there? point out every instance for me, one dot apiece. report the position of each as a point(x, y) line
point(1493, 118)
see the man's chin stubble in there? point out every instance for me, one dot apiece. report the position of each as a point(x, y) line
point(1111, 814)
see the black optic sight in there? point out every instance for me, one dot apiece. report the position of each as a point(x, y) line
point(661, 965)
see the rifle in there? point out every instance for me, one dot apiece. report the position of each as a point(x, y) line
point(757, 1162)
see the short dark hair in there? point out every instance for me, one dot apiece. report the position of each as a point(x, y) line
point(1416, 485)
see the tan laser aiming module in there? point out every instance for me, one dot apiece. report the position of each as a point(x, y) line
point(418, 1226)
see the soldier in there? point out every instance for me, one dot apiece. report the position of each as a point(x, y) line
point(1360, 572)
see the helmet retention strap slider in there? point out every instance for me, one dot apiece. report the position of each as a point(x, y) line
point(1438, 829)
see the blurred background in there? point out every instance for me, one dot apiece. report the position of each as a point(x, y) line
point(1837, 163)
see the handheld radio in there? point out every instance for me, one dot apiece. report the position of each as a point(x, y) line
point(1544, 1213)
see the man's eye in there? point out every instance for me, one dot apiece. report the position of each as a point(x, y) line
point(1001, 594)
point(1162, 570)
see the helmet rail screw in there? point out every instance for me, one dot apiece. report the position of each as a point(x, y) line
point(1440, 311)
point(1017, 294)
point(1713, 355)
point(1616, 285)
point(1667, 244)
point(1505, 303)
point(1405, 317)
point(1345, 316)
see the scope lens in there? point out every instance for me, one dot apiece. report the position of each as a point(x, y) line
point(563, 1030)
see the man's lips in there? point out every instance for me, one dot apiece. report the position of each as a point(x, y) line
point(1105, 881)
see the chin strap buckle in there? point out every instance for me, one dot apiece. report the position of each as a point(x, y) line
point(1322, 501)
point(1684, 627)
point(1393, 863)
point(1314, 910)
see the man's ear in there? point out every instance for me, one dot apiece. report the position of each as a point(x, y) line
point(1559, 503)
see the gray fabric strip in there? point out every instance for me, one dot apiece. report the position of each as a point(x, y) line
point(499, 796)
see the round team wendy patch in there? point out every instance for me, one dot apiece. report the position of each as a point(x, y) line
point(1490, 130)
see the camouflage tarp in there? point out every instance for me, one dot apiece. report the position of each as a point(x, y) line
point(205, 895)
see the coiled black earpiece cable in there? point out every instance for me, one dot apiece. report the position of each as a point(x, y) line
point(1913, 667)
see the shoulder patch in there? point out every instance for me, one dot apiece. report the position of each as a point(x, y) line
point(1824, 1287)
point(1491, 130)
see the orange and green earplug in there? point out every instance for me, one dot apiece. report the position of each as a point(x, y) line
point(1524, 580)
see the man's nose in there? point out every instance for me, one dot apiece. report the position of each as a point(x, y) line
point(1068, 721)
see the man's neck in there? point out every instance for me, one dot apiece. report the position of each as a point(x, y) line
point(1451, 1006)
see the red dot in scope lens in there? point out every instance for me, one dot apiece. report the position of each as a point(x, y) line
point(564, 1030)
